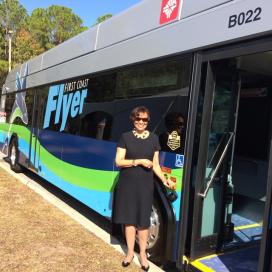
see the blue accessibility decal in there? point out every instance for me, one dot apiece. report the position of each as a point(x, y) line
point(179, 160)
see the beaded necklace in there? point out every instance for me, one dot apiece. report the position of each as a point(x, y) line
point(142, 135)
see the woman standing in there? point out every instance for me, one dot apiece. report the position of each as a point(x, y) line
point(138, 157)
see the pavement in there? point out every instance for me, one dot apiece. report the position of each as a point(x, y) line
point(31, 182)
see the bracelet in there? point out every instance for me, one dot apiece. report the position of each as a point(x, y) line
point(133, 163)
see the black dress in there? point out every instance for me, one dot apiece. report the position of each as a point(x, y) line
point(134, 190)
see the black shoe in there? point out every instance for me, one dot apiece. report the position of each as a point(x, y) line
point(126, 264)
point(145, 268)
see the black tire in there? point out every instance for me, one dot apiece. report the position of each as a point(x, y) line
point(14, 156)
point(156, 234)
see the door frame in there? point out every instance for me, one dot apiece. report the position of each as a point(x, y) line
point(186, 206)
point(265, 256)
point(33, 135)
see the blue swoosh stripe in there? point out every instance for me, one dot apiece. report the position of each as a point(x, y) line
point(98, 201)
point(81, 151)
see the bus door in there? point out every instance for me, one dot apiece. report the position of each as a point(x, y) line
point(34, 135)
point(212, 182)
point(265, 255)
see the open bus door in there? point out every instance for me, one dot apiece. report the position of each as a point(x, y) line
point(213, 184)
point(212, 208)
point(209, 223)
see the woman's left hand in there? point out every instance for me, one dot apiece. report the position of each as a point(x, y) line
point(170, 184)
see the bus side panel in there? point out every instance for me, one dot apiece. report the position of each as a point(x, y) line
point(82, 167)
point(4, 139)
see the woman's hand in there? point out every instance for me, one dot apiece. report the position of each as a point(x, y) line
point(170, 184)
point(157, 169)
point(145, 163)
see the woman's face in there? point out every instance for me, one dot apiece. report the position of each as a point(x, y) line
point(141, 121)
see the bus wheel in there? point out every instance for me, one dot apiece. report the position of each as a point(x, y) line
point(156, 237)
point(14, 156)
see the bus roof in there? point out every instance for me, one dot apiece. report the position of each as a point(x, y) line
point(145, 31)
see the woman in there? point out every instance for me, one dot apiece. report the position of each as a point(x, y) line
point(138, 157)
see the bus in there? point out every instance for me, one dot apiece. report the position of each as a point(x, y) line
point(207, 63)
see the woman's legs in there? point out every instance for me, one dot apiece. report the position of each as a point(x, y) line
point(143, 236)
point(130, 233)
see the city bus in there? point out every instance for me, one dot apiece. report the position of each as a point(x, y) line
point(204, 70)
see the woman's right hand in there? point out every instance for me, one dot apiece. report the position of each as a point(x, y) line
point(146, 163)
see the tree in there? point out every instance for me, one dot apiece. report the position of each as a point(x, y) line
point(12, 17)
point(54, 25)
point(103, 18)
point(12, 14)
point(3, 43)
point(34, 34)
point(65, 24)
point(25, 47)
point(38, 24)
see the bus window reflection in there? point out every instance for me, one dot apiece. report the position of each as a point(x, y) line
point(172, 140)
point(96, 125)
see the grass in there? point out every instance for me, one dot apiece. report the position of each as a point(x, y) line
point(36, 236)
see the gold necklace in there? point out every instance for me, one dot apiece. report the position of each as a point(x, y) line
point(142, 135)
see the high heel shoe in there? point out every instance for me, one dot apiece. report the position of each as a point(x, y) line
point(145, 268)
point(126, 264)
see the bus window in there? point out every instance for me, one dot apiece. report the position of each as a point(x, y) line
point(96, 125)
point(10, 98)
point(154, 79)
point(20, 101)
point(172, 139)
point(96, 119)
point(164, 89)
point(29, 103)
point(101, 88)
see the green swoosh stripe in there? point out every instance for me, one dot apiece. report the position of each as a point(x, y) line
point(93, 179)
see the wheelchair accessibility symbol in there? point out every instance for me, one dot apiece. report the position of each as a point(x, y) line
point(179, 160)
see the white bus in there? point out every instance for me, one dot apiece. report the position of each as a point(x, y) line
point(204, 69)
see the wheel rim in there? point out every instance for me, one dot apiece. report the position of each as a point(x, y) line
point(13, 155)
point(154, 228)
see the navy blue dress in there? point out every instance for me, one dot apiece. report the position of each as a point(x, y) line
point(134, 190)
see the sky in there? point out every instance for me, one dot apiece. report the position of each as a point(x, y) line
point(87, 10)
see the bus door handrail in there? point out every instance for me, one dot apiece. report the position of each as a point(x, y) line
point(216, 150)
point(204, 194)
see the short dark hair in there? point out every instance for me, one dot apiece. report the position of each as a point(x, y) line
point(136, 112)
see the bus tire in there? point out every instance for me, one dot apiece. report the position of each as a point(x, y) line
point(14, 156)
point(156, 234)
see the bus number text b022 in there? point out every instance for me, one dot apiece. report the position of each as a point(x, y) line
point(242, 18)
